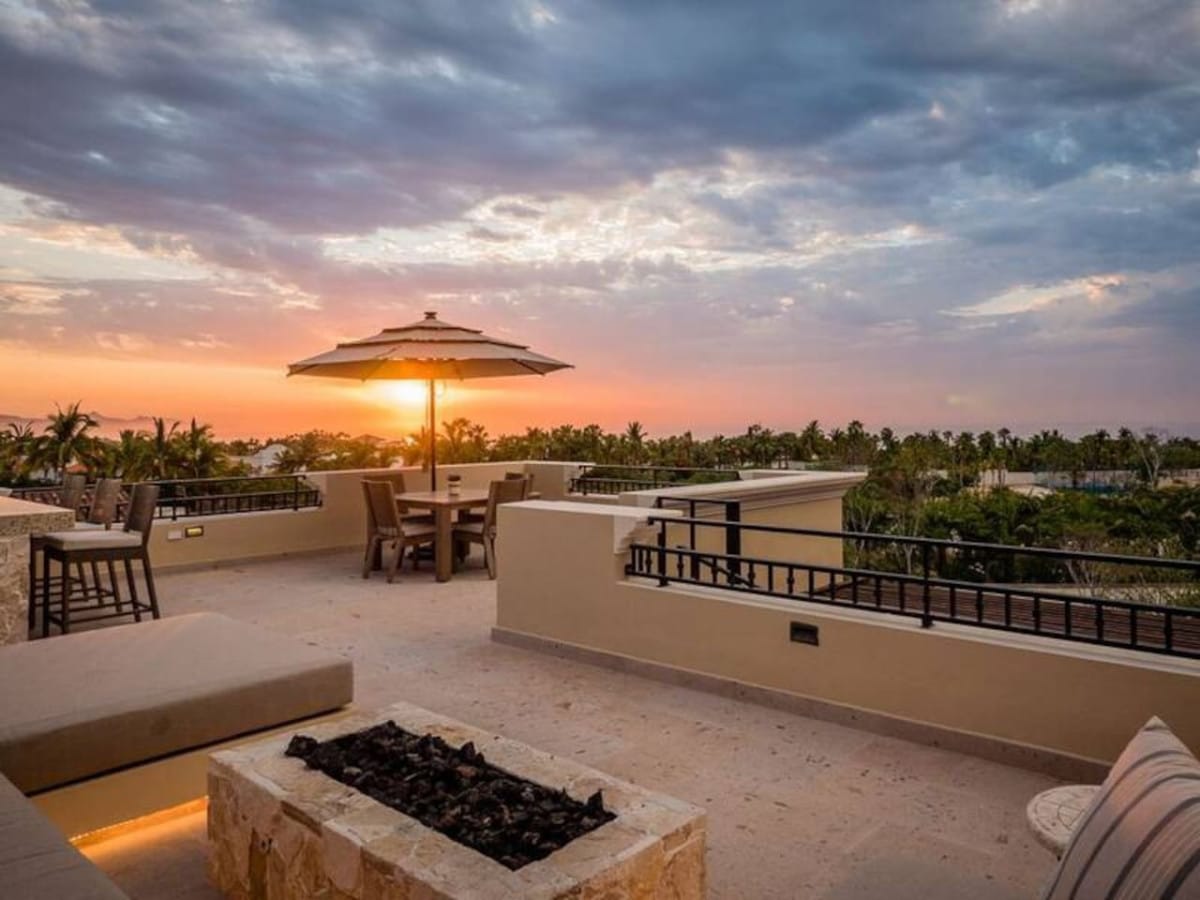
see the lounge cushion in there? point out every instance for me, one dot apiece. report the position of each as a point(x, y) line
point(1140, 838)
point(91, 539)
point(37, 862)
point(76, 706)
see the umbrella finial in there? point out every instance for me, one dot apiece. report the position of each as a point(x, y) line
point(430, 315)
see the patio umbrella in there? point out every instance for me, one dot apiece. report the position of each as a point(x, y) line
point(429, 350)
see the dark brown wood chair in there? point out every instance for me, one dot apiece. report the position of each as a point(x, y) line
point(70, 496)
point(510, 490)
point(109, 546)
point(387, 526)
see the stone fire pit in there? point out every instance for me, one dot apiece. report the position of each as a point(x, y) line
point(281, 830)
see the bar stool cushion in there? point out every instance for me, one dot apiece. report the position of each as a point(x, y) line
point(91, 540)
point(37, 862)
point(75, 706)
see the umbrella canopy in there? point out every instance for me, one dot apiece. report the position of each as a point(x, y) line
point(428, 350)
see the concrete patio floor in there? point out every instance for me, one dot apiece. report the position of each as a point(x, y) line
point(798, 808)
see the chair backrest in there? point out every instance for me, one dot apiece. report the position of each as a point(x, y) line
point(70, 496)
point(510, 490)
point(105, 497)
point(524, 476)
point(381, 506)
point(139, 517)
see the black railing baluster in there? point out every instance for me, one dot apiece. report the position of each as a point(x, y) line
point(733, 534)
point(925, 620)
point(662, 553)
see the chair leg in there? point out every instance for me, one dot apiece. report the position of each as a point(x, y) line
point(150, 586)
point(395, 563)
point(64, 623)
point(116, 588)
point(97, 583)
point(133, 594)
point(489, 556)
point(369, 555)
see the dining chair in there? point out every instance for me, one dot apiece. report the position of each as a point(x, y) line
point(510, 490)
point(387, 526)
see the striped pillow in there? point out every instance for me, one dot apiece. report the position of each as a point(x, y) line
point(1141, 836)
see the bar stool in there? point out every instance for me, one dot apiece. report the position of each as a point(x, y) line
point(108, 546)
point(70, 496)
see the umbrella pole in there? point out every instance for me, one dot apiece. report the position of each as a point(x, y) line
point(432, 439)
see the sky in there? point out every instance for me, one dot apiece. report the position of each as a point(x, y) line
point(929, 213)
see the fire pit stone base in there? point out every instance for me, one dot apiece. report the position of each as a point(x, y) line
point(281, 831)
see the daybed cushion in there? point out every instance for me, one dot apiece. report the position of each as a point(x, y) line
point(37, 862)
point(78, 705)
point(1140, 838)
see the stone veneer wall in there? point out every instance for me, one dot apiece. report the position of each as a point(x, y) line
point(18, 519)
point(281, 831)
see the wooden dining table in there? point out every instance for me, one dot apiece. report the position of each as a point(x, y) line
point(443, 504)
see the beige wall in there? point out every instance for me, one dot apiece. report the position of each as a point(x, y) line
point(338, 523)
point(561, 579)
point(788, 500)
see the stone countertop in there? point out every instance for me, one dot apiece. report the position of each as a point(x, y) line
point(20, 517)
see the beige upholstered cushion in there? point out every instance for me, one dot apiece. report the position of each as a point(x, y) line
point(1140, 839)
point(37, 863)
point(75, 706)
point(85, 539)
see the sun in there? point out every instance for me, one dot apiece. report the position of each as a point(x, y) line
point(403, 393)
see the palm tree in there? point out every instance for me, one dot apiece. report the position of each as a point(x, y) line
point(18, 450)
point(201, 457)
point(162, 448)
point(633, 440)
point(131, 457)
point(65, 437)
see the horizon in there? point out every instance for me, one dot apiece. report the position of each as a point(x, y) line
point(110, 427)
point(719, 216)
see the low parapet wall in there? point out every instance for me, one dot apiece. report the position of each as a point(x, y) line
point(339, 523)
point(1042, 703)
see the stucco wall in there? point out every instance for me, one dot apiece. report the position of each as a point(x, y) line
point(339, 523)
point(561, 579)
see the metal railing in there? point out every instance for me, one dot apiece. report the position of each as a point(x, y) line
point(925, 594)
point(185, 498)
point(618, 479)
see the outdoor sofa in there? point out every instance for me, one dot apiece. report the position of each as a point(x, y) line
point(102, 727)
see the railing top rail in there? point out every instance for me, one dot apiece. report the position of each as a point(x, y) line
point(967, 587)
point(639, 468)
point(1043, 552)
point(241, 478)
